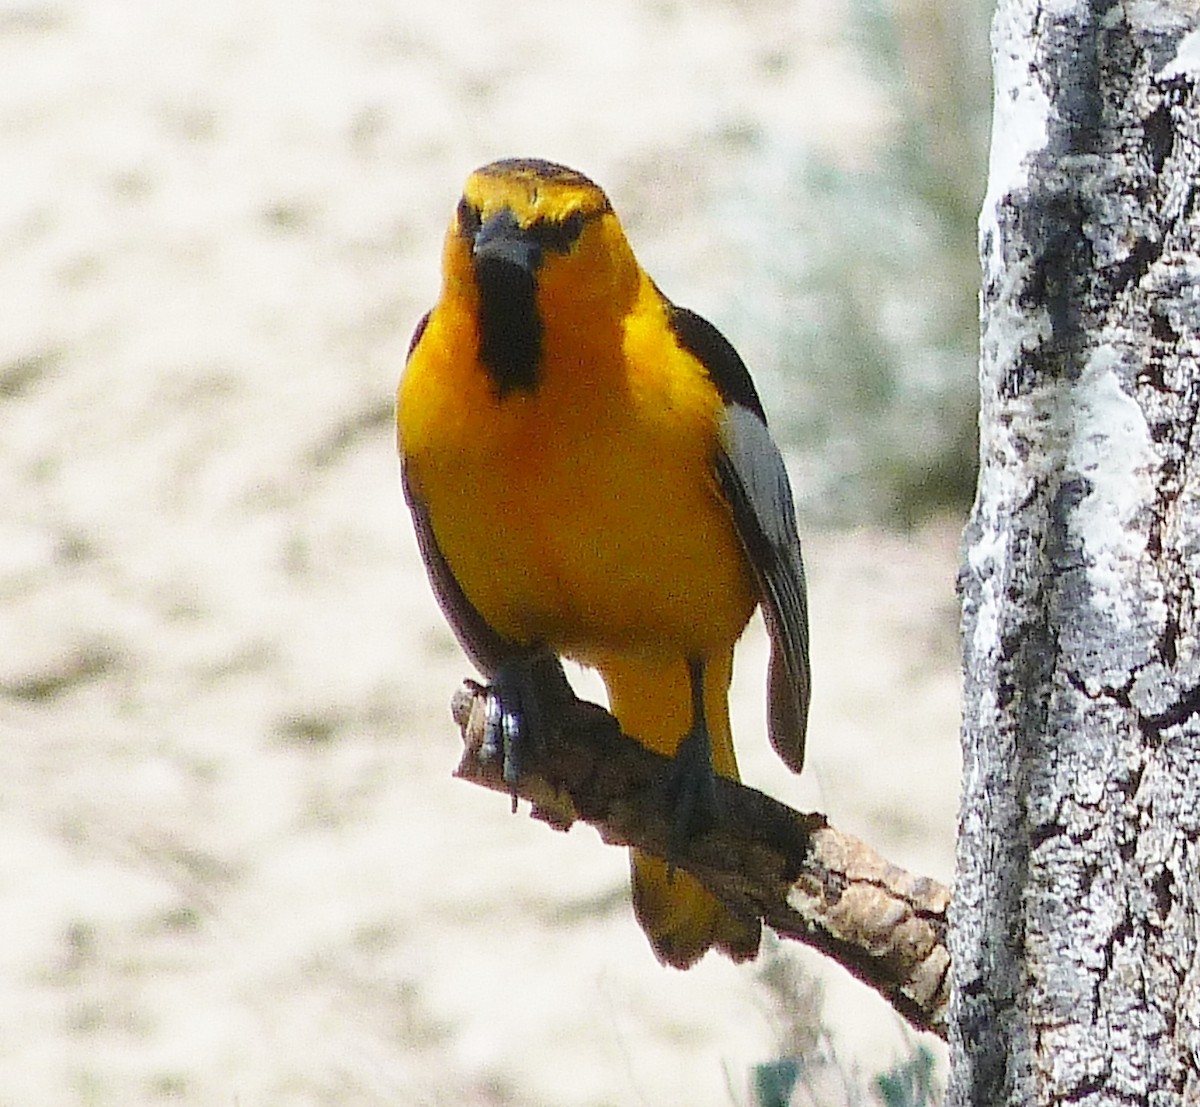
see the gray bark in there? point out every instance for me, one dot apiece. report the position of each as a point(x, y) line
point(1075, 919)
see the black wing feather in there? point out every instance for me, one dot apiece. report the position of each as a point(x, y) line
point(714, 351)
point(754, 480)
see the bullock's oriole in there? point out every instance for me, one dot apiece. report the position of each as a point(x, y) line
point(590, 474)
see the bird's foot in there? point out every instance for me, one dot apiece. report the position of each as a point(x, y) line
point(525, 701)
point(691, 792)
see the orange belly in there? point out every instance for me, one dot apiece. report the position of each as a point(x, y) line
point(585, 514)
point(599, 543)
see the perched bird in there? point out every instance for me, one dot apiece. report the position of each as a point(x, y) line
point(591, 476)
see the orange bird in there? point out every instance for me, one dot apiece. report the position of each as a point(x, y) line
point(591, 476)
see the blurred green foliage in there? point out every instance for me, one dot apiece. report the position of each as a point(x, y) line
point(774, 1082)
point(910, 1083)
point(873, 273)
point(806, 1070)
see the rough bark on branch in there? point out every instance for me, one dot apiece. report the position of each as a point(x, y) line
point(808, 881)
point(1076, 920)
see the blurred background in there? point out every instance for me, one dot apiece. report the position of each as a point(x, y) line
point(235, 868)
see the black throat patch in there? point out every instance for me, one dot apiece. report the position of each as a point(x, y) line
point(510, 328)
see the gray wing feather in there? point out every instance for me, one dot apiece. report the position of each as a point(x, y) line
point(753, 477)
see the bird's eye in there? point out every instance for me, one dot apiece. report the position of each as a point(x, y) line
point(468, 218)
point(572, 226)
point(561, 236)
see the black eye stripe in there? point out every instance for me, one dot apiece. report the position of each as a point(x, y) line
point(469, 220)
point(559, 236)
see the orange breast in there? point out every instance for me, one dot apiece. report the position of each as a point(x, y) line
point(585, 514)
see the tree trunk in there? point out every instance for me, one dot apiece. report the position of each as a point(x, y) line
point(1075, 922)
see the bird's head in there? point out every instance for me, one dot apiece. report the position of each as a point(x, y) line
point(535, 247)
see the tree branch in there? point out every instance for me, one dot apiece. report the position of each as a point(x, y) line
point(808, 881)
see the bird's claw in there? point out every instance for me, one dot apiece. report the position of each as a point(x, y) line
point(524, 700)
point(691, 793)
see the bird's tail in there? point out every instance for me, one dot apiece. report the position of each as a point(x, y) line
point(652, 700)
point(682, 919)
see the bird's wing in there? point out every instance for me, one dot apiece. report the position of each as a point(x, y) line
point(485, 646)
point(754, 480)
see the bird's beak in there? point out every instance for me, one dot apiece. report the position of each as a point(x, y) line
point(502, 241)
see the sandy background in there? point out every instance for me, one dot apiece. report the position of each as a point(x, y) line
point(235, 869)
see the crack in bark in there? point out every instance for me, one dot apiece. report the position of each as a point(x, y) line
point(1185, 707)
point(1118, 694)
point(1080, 725)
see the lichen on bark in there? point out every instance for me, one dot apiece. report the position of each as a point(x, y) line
point(1074, 927)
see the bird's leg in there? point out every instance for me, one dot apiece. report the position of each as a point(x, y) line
point(525, 701)
point(691, 785)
